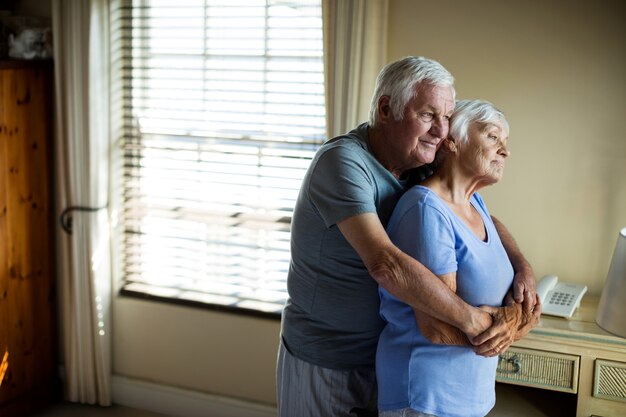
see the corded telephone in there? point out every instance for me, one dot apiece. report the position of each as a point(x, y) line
point(559, 299)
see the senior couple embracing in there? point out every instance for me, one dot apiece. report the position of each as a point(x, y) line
point(403, 289)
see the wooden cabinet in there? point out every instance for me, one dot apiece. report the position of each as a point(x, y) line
point(27, 285)
point(572, 356)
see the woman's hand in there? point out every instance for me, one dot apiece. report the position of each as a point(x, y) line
point(524, 285)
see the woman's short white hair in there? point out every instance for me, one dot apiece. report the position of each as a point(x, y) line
point(399, 81)
point(467, 112)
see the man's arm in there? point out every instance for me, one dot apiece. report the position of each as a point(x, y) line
point(409, 280)
point(519, 317)
point(437, 331)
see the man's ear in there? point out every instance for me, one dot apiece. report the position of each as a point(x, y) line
point(384, 109)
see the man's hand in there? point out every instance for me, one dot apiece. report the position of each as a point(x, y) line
point(496, 339)
point(477, 322)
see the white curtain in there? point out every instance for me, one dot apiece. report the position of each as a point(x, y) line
point(355, 49)
point(80, 32)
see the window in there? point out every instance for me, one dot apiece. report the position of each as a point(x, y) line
point(223, 109)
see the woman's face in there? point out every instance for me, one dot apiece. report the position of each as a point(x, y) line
point(484, 153)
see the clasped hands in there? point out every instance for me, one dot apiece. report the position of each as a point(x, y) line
point(509, 324)
point(492, 329)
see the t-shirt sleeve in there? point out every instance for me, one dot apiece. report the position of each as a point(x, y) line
point(341, 186)
point(425, 233)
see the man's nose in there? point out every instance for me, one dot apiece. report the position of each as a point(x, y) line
point(439, 127)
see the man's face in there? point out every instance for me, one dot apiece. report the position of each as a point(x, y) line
point(425, 124)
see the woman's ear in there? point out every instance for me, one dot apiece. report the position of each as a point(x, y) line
point(450, 144)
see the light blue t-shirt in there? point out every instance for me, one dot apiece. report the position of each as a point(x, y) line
point(448, 381)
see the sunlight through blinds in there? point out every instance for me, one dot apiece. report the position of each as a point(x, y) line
point(223, 109)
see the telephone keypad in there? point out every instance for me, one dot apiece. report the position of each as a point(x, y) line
point(561, 298)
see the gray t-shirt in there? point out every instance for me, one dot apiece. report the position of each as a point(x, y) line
point(331, 318)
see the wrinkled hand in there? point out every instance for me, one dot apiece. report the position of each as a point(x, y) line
point(530, 309)
point(497, 338)
point(510, 323)
point(479, 322)
point(530, 315)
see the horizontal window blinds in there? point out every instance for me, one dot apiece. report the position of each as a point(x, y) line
point(223, 109)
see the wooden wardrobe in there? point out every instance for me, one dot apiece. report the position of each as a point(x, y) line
point(28, 342)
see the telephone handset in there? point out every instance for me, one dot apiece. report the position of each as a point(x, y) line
point(559, 299)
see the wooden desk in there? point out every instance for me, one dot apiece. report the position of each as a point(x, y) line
point(574, 356)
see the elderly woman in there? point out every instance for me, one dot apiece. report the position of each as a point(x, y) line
point(431, 369)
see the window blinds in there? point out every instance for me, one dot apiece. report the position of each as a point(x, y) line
point(223, 109)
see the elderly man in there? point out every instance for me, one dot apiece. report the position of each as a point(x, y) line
point(331, 323)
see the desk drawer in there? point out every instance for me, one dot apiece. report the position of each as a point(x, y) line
point(609, 380)
point(537, 368)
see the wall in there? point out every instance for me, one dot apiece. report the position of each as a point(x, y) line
point(195, 349)
point(557, 69)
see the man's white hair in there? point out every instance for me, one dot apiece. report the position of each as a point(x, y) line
point(399, 80)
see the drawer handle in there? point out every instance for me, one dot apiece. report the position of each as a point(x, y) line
point(514, 360)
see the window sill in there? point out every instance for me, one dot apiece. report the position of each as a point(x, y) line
point(250, 312)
